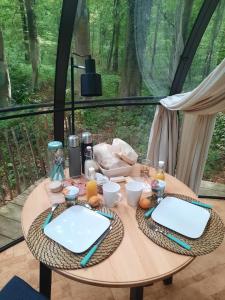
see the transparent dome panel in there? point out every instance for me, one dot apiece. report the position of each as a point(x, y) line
point(161, 31)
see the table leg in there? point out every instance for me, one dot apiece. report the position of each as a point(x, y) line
point(45, 280)
point(168, 280)
point(136, 293)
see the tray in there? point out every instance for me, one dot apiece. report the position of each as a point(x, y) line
point(77, 228)
point(181, 216)
point(123, 171)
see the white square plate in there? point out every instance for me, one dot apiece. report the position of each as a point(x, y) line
point(77, 228)
point(181, 216)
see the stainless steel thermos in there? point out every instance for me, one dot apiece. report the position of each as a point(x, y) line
point(74, 156)
point(86, 140)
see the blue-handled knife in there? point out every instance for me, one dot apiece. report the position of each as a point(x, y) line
point(201, 204)
point(109, 216)
point(94, 248)
point(149, 212)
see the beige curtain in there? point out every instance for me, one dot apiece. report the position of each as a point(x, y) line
point(200, 107)
point(163, 140)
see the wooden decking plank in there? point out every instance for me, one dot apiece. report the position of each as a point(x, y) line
point(11, 211)
point(10, 228)
point(210, 192)
point(4, 240)
point(20, 199)
point(213, 186)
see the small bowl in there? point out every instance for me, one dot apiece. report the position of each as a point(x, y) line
point(70, 192)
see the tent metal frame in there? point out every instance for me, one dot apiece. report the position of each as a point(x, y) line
point(59, 106)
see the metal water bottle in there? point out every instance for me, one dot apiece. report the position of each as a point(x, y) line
point(74, 156)
point(86, 140)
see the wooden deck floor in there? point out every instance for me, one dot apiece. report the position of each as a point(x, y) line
point(10, 228)
point(203, 279)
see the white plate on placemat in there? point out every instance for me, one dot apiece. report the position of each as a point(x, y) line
point(181, 216)
point(77, 228)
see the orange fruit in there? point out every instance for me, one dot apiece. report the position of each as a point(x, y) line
point(95, 201)
point(144, 202)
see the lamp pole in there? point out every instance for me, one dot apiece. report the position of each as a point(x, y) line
point(72, 66)
point(72, 95)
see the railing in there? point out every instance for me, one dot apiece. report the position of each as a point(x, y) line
point(23, 145)
point(47, 108)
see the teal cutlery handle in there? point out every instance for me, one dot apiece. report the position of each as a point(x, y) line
point(149, 212)
point(87, 257)
point(109, 216)
point(201, 204)
point(47, 220)
point(178, 241)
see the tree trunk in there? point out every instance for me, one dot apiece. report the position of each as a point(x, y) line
point(81, 36)
point(5, 86)
point(112, 60)
point(221, 50)
point(188, 5)
point(115, 62)
point(155, 36)
point(213, 35)
point(131, 77)
point(81, 30)
point(101, 38)
point(33, 41)
point(109, 58)
point(25, 30)
point(182, 17)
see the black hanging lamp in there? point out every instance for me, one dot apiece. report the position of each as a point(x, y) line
point(91, 84)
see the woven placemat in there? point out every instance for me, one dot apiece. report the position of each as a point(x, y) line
point(54, 255)
point(211, 238)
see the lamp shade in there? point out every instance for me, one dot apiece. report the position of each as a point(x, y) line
point(91, 84)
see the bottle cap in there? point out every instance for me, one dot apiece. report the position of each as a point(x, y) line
point(161, 164)
point(73, 141)
point(54, 145)
point(86, 137)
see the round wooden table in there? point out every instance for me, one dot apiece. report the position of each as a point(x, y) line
point(136, 263)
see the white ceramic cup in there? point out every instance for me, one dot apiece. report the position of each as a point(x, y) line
point(111, 193)
point(134, 190)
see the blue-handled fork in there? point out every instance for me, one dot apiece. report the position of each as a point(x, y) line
point(171, 237)
point(49, 216)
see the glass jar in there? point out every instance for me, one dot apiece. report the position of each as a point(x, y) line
point(89, 162)
point(160, 175)
point(55, 160)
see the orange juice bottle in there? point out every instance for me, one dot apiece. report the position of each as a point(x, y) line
point(160, 175)
point(91, 185)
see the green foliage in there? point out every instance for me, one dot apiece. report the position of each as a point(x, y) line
point(132, 123)
point(216, 156)
point(110, 84)
point(20, 80)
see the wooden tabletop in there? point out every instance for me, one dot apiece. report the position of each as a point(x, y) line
point(137, 261)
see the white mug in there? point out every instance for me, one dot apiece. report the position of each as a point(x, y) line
point(134, 190)
point(111, 193)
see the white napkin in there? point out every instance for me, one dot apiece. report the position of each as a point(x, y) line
point(104, 155)
point(124, 151)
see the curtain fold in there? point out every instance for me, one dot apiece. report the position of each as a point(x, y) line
point(200, 107)
point(195, 140)
point(163, 140)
